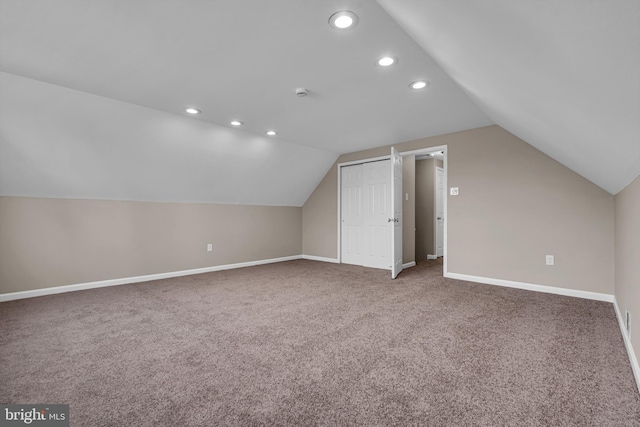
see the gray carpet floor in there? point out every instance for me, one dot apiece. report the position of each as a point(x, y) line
point(308, 343)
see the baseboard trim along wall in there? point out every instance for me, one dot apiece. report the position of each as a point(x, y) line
point(409, 265)
point(320, 258)
point(531, 287)
point(627, 343)
point(432, 256)
point(137, 279)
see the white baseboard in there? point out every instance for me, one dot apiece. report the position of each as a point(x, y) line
point(432, 256)
point(409, 265)
point(531, 287)
point(137, 279)
point(321, 259)
point(627, 343)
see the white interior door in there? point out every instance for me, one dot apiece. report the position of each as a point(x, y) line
point(365, 197)
point(352, 219)
point(396, 220)
point(440, 195)
point(377, 202)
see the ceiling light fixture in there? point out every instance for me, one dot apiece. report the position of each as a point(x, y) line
point(419, 84)
point(271, 132)
point(192, 110)
point(236, 123)
point(386, 61)
point(343, 20)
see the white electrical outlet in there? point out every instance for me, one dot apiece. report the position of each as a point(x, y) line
point(209, 247)
point(453, 191)
point(551, 260)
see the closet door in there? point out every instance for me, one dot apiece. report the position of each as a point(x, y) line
point(365, 212)
point(377, 211)
point(352, 218)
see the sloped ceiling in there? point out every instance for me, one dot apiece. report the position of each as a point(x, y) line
point(93, 97)
point(62, 143)
point(562, 75)
point(92, 93)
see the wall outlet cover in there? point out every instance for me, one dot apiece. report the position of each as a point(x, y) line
point(453, 191)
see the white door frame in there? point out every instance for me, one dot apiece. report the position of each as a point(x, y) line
point(396, 212)
point(435, 209)
point(445, 164)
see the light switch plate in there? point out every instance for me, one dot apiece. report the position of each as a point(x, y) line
point(453, 191)
point(551, 260)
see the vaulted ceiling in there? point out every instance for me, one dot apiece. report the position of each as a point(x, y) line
point(563, 75)
point(92, 94)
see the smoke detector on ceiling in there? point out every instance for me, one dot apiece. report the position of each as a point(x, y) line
point(301, 92)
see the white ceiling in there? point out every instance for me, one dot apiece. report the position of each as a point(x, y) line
point(62, 143)
point(107, 81)
point(562, 75)
point(242, 59)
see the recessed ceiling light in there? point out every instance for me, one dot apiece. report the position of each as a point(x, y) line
point(271, 132)
point(236, 123)
point(343, 20)
point(386, 61)
point(419, 84)
point(192, 110)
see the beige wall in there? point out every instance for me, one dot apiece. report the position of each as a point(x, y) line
point(627, 237)
point(54, 242)
point(515, 206)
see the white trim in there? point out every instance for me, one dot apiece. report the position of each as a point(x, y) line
point(445, 166)
point(339, 223)
point(321, 259)
point(408, 265)
point(369, 160)
point(136, 279)
point(425, 150)
point(627, 343)
point(435, 207)
point(532, 287)
point(432, 256)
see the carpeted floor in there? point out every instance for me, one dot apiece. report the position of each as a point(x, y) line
point(308, 343)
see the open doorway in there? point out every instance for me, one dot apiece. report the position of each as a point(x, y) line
point(430, 200)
